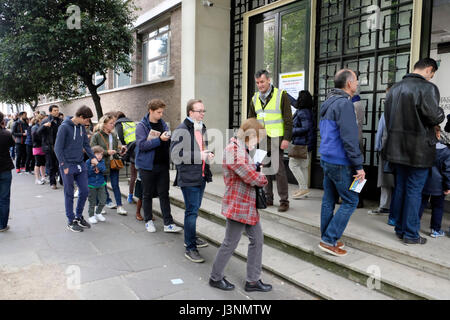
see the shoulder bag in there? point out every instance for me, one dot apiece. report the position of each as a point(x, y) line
point(115, 164)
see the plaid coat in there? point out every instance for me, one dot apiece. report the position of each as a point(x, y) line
point(240, 176)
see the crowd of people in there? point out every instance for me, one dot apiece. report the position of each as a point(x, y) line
point(414, 163)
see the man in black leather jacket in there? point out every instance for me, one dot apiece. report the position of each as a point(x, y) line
point(411, 111)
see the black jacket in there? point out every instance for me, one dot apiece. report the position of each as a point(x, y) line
point(6, 142)
point(185, 154)
point(48, 134)
point(411, 111)
point(19, 127)
point(439, 179)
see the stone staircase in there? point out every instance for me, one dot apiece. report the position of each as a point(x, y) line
point(378, 266)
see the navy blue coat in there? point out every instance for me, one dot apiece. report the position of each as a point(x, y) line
point(303, 128)
point(439, 179)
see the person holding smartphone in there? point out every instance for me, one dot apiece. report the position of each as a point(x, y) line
point(190, 155)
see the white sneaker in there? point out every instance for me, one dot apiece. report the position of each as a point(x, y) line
point(100, 217)
point(47, 180)
point(111, 205)
point(121, 211)
point(92, 219)
point(172, 228)
point(150, 226)
point(38, 181)
point(76, 193)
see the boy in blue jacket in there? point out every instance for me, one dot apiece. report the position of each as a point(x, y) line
point(437, 186)
point(96, 184)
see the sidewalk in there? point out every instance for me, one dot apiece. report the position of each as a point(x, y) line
point(116, 259)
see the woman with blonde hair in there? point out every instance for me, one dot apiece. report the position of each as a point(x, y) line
point(108, 140)
point(239, 207)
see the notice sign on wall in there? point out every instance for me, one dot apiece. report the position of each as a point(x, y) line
point(292, 83)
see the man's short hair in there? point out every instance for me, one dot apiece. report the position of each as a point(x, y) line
point(53, 106)
point(341, 78)
point(97, 149)
point(84, 112)
point(259, 73)
point(425, 63)
point(120, 114)
point(22, 113)
point(190, 105)
point(155, 104)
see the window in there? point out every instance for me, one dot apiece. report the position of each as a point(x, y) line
point(155, 53)
point(122, 79)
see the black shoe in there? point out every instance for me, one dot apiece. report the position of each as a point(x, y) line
point(194, 256)
point(257, 286)
point(400, 236)
point(420, 240)
point(221, 284)
point(74, 227)
point(82, 223)
point(199, 243)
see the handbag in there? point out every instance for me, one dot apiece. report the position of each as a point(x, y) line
point(261, 202)
point(38, 152)
point(115, 164)
point(298, 152)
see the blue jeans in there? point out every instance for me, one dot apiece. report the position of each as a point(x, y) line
point(336, 182)
point(5, 196)
point(79, 174)
point(114, 176)
point(193, 200)
point(409, 183)
point(437, 209)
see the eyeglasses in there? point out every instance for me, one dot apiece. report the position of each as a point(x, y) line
point(199, 111)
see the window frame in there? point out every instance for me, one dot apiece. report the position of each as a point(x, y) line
point(146, 38)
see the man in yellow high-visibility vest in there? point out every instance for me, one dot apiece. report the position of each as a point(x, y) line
point(272, 108)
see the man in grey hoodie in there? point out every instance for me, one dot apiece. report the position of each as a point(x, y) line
point(70, 142)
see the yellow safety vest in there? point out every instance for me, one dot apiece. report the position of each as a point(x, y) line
point(129, 131)
point(271, 116)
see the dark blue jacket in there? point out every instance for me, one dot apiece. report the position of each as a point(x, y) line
point(439, 179)
point(96, 180)
point(29, 140)
point(145, 150)
point(339, 131)
point(303, 128)
point(70, 142)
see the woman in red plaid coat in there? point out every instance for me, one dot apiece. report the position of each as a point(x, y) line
point(239, 207)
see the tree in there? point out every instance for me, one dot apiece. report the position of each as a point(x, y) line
point(51, 46)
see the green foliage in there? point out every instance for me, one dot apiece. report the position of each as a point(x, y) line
point(40, 54)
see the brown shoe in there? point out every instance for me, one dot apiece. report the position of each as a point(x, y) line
point(139, 217)
point(335, 251)
point(54, 187)
point(283, 207)
point(340, 245)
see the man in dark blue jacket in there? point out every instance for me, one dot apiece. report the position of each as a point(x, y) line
point(340, 157)
point(152, 160)
point(70, 142)
point(189, 153)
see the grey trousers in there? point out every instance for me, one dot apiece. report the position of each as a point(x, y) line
point(94, 194)
point(233, 234)
point(385, 198)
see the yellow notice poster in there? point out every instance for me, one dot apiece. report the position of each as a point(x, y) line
point(292, 83)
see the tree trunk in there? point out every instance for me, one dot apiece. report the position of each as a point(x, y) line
point(87, 80)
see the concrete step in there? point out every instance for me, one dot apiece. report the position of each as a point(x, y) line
point(357, 236)
point(390, 277)
point(306, 275)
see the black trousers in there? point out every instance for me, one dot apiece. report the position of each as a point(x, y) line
point(52, 165)
point(21, 155)
point(29, 163)
point(156, 181)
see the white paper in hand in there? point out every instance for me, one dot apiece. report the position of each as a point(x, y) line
point(153, 134)
point(357, 185)
point(259, 156)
